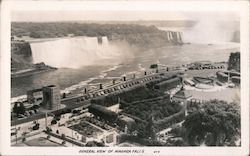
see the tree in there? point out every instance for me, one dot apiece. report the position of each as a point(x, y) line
point(35, 107)
point(36, 127)
point(150, 129)
point(217, 123)
point(234, 61)
point(19, 108)
point(141, 130)
point(53, 122)
point(15, 108)
point(34, 34)
point(103, 112)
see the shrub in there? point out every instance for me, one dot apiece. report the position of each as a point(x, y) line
point(53, 122)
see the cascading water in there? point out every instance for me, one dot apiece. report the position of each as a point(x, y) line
point(75, 52)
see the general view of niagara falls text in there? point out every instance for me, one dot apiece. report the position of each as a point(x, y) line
point(93, 79)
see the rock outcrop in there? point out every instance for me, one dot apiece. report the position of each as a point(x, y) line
point(21, 55)
point(151, 39)
point(22, 62)
point(234, 61)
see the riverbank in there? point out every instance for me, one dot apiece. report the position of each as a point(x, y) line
point(37, 68)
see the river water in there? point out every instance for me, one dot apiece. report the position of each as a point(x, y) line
point(69, 78)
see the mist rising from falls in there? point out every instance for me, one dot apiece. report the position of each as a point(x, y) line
point(207, 31)
point(79, 51)
point(212, 31)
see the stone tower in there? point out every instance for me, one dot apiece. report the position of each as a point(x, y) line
point(51, 97)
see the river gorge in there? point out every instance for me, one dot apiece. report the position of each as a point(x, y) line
point(90, 60)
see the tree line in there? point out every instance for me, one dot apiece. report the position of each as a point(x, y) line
point(61, 29)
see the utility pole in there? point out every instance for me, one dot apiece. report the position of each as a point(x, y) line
point(46, 124)
point(16, 133)
point(72, 134)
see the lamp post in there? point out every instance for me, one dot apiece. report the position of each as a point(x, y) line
point(72, 135)
point(46, 120)
point(16, 133)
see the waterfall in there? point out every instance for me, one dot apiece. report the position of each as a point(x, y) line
point(178, 36)
point(171, 35)
point(168, 36)
point(75, 52)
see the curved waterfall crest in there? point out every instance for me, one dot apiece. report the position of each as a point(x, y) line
point(75, 52)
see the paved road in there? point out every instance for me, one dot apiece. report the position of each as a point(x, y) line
point(27, 128)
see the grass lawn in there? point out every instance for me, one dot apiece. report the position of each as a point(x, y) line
point(228, 94)
point(41, 142)
point(202, 73)
point(85, 129)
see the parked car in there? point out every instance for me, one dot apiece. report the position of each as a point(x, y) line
point(36, 127)
point(53, 122)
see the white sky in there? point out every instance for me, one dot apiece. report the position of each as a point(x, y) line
point(40, 11)
point(41, 16)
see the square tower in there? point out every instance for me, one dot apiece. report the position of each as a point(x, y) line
point(51, 97)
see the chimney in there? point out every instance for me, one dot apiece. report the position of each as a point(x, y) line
point(101, 86)
point(124, 78)
point(145, 72)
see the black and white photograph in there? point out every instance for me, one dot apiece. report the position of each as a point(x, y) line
point(126, 79)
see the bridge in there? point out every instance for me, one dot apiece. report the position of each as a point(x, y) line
point(113, 89)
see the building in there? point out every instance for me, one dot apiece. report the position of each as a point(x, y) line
point(226, 76)
point(181, 96)
point(203, 80)
point(235, 80)
point(221, 76)
point(51, 97)
point(168, 84)
point(189, 82)
point(33, 95)
point(103, 113)
point(205, 65)
point(125, 123)
point(200, 65)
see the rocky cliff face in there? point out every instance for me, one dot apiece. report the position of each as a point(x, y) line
point(21, 55)
point(234, 61)
point(151, 39)
point(21, 48)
